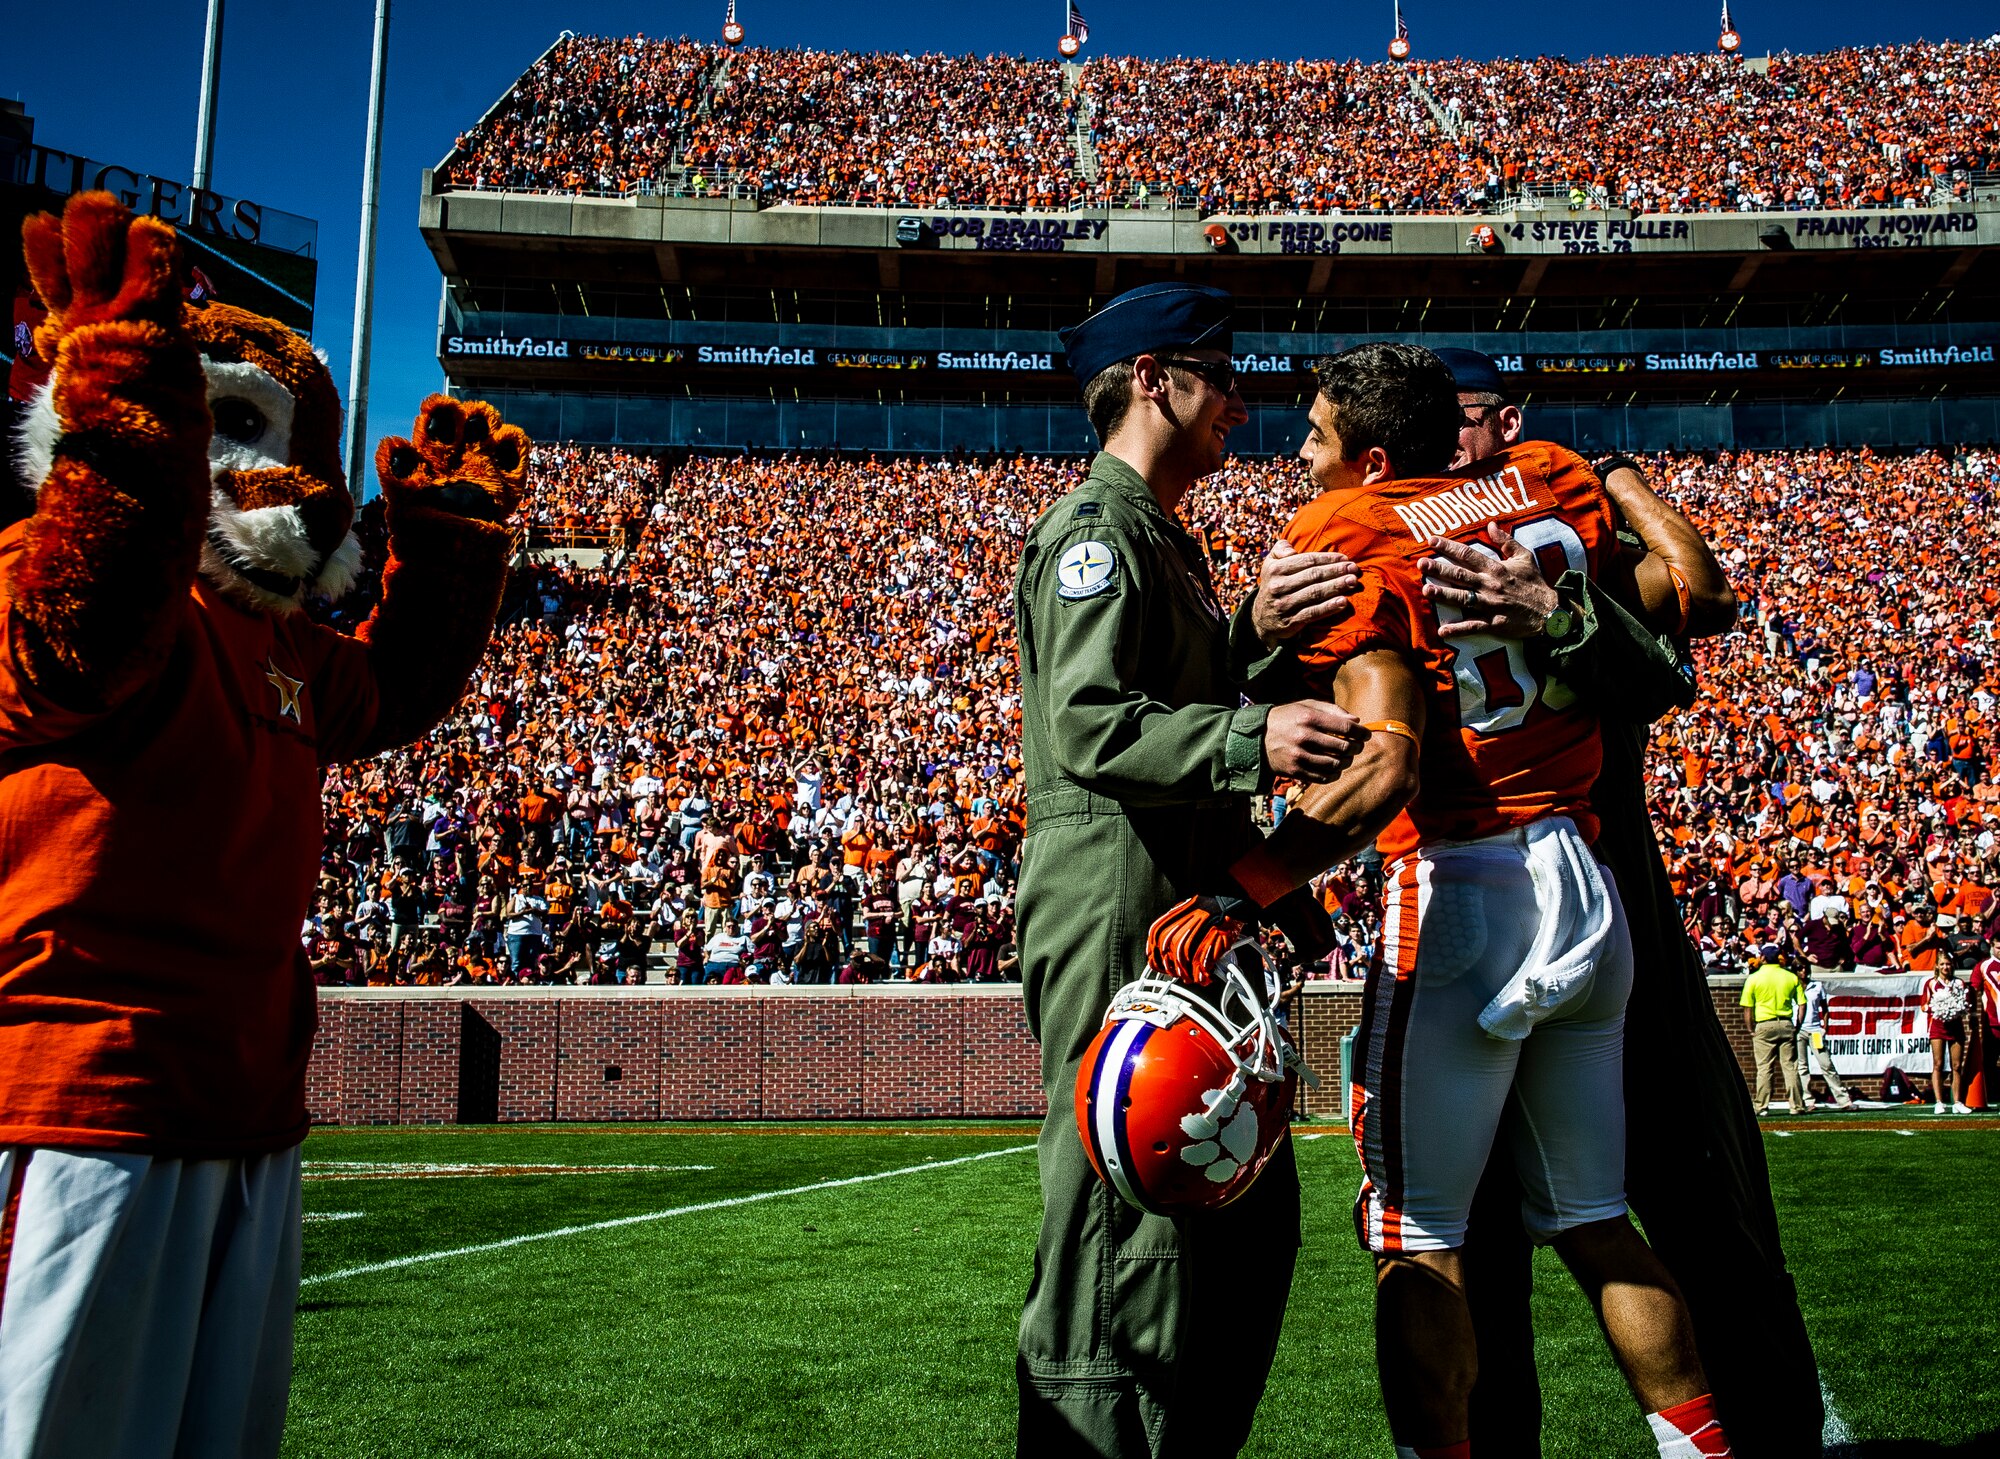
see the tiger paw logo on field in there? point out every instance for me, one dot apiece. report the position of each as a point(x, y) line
point(1225, 1133)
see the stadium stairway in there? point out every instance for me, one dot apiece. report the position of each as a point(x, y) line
point(717, 79)
point(679, 176)
point(1446, 122)
point(1079, 123)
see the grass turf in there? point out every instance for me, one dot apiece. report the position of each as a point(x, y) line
point(875, 1317)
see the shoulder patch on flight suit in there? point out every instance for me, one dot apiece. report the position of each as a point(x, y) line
point(1088, 509)
point(1086, 569)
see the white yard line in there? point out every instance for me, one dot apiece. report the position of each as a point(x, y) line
point(797, 1190)
point(429, 1170)
point(310, 1216)
point(1836, 1430)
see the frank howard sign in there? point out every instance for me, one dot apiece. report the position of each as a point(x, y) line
point(1876, 1020)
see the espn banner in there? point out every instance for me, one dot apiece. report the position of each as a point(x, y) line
point(1875, 1020)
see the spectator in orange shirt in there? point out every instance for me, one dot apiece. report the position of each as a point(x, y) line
point(1918, 942)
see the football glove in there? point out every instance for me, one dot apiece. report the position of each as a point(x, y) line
point(1191, 937)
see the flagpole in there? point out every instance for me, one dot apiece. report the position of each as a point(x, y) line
point(211, 88)
point(364, 280)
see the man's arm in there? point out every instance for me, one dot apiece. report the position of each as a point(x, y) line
point(1610, 657)
point(1294, 591)
point(1682, 587)
point(1680, 582)
point(1326, 824)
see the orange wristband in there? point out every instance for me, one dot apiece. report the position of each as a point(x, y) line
point(1261, 875)
point(1393, 727)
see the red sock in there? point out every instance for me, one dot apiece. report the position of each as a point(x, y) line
point(1690, 1430)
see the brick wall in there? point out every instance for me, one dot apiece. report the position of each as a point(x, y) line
point(1324, 1021)
point(409, 1056)
point(427, 1056)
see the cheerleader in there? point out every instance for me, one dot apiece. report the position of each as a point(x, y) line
point(1948, 1003)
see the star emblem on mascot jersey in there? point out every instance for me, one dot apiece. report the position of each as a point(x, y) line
point(288, 689)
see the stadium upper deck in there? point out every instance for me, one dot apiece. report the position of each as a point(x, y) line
point(765, 313)
point(1886, 126)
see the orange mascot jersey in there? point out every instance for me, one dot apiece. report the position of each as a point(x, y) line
point(156, 862)
point(1502, 746)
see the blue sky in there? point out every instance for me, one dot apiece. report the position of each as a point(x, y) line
point(117, 80)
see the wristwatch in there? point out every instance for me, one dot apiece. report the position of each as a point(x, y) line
point(1560, 624)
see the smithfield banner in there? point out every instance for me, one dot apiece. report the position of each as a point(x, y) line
point(1874, 1020)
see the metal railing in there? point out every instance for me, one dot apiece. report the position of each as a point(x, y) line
point(726, 183)
point(536, 537)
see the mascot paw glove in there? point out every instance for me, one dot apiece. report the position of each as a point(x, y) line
point(462, 462)
point(128, 371)
point(1191, 937)
point(98, 264)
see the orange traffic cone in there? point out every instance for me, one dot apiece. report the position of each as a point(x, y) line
point(1975, 1087)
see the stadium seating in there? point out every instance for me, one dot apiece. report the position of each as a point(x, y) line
point(857, 614)
point(889, 131)
point(1880, 127)
point(591, 116)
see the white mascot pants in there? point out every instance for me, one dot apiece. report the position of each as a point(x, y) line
point(145, 1304)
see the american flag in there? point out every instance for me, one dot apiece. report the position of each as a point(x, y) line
point(1725, 16)
point(1403, 26)
point(1078, 26)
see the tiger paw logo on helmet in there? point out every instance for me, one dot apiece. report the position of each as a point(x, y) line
point(1181, 1101)
point(1225, 1132)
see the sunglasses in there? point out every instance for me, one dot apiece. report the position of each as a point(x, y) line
point(1475, 417)
point(1219, 373)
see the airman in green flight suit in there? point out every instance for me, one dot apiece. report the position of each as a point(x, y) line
point(1142, 1335)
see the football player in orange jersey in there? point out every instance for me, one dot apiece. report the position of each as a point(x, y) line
point(1506, 957)
point(1718, 1236)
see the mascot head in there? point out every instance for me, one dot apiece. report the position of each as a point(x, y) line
point(280, 513)
point(279, 518)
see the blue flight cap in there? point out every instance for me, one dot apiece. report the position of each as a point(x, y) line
point(1147, 320)
point(1475, 374)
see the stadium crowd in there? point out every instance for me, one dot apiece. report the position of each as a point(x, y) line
point(889, 131)
point(790, 703)
point(1836, 789)
point(1877, 127)
point(584, 495)
point(1301, 136)
point(592, 115)
point(1703, 133)
point(778, 737)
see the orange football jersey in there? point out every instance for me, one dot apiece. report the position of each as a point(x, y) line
point(1503, 746)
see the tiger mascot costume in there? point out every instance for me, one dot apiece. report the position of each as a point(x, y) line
point(166, 711)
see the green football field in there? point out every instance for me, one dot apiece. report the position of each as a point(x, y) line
point(852, 1290)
